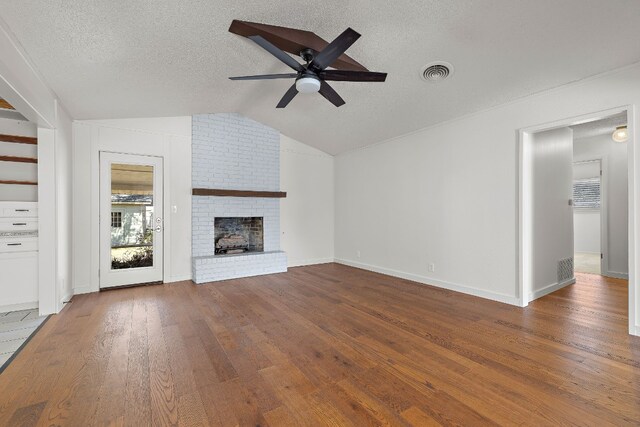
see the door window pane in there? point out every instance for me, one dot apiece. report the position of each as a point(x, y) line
point(131, 216)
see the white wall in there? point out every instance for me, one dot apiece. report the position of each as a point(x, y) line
point(449, 194)
point(552, 155)
point(307, 213)
point(614, 157)
point(18, 171)
point(63, 174)
point(586, 225)
point(169, 137)
point(306, 174)
point(586, 222)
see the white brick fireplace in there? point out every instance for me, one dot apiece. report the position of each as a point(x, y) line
point(231, 152)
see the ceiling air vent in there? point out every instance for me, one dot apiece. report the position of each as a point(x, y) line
point(436, 71)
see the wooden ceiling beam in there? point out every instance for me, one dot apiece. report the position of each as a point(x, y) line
point(5, 105)
point(293, 41)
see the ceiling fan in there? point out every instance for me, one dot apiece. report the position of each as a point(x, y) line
point(313, 75)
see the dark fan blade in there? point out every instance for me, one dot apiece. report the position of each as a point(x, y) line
point(330, 94)
point(266, 77)
point(334, 49)
point(352, 76)
point(286, 99)
point(277, 52)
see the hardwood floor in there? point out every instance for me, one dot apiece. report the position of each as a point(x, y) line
point(328, 345)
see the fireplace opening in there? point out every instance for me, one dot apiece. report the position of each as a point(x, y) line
point(236, 235)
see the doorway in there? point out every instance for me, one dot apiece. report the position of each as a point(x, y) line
point(588, 218)
point(528, 153)
point(131, 220)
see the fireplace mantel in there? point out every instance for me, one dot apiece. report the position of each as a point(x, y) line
point(237, 193)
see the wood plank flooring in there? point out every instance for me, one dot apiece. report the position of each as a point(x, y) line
point(328, 345)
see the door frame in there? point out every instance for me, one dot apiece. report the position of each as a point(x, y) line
point(158, 182)
point(525, 202)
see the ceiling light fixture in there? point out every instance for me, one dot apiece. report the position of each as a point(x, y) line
point(307, 84)
point(620, 134)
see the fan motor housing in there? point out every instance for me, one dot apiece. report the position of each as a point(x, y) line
point(307, 55)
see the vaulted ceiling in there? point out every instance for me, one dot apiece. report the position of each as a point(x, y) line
point(168, 58)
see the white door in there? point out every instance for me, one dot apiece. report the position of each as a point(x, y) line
point(131, 219)
point(552, 209)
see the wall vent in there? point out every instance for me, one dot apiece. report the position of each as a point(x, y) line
point(565, 269)
point(436, 71)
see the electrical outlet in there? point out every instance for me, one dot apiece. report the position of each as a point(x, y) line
point(358, 254)
point(432, 267)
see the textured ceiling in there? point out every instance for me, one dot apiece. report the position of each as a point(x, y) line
point(599, 127)
point(115, 59)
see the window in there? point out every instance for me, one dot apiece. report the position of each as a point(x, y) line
point(586, 193)
point(116, 219)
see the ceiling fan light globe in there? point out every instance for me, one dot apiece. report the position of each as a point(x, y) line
point(307, 85)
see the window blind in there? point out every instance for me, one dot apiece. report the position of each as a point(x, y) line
point(586, 193)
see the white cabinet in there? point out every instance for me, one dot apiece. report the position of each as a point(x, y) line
point(18, 280)
point(18, 224)
point(19, 244)
point(19, 209)
point(18, 255)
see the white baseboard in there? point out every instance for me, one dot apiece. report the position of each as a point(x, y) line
point(17, 307)
point(550, 288)
point(616, 275)
point(507, 299)
point(67, 297)
point(83, 290)
point(312, 261)
point(179, 278)
point(634, 330)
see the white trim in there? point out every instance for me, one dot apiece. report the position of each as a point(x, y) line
point(633, 160)
point(18, 307)
point(616, 275)
point(48, 289)
point(309, 261)
point(86, 289)
point(604, 213)
point(550, 288)
point(67, 297)
point(507, 299)
point(173, 279)
point(524, 202)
